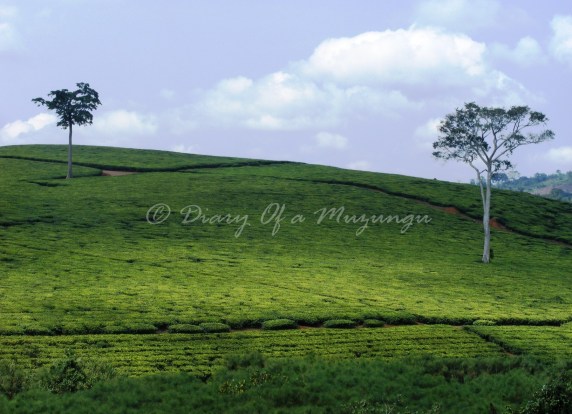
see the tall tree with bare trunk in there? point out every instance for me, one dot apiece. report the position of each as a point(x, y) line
point(72, 108)
point(485, 138)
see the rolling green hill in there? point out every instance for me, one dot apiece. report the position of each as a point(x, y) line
point(82, 267)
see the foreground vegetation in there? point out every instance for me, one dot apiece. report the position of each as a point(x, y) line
point(249, 384)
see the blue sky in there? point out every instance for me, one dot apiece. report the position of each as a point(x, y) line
point(356, 85)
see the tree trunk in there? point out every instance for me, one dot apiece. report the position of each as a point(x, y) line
point(70, 153)
point(486, 219)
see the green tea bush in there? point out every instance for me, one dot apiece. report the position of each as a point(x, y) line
point(275, 324)
point(185, 328)
point(373, 323)
point(340, 323)
point(113, 329)
point(215, 327)
point(484, 322)
point(12, 330)
point(438, 320)
point(529, 321)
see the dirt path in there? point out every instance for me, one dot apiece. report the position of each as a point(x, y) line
point(114, 173)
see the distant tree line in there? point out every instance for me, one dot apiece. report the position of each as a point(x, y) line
point(512, 181)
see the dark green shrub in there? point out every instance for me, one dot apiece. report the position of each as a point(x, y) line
point(185, 328)
point(401, 319)
point(36, 330)
point(308, 319)
point(66, 375)
point(275, 324)
point(373, 323)
point(72, 374)
point(12, 379)
point(340, 323)
point(251, 359)
point(215, 327)
point(553, 398)
point(81, 329)
point(139, 328)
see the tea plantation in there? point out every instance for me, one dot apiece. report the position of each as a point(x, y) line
point(96, 266)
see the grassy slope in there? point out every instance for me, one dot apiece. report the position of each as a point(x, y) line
point(86, 251)
point(78, 256)
point(525, 213)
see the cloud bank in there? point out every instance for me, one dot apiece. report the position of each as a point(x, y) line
point(561, 43)
point(14, 132)
point(373, 73)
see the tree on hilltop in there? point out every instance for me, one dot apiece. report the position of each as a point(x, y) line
point(485, 138)
point(72, 108)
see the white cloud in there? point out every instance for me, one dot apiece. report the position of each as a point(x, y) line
point(122, 122)
point(359, 165)
point(289, 101)
point(561, 42)
point(180, 121)
point(329, 140)
point(9, 39)
point(527, 52)
point(7, 12)
point(561, 155)
point(11, 132)
point(188, 149)
point(427, 133)
point(498, 89)
point(458, 14)
point(374, 73)
point(413, 56)
point(167, 94)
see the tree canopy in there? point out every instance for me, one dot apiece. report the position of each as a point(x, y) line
point(72, 107)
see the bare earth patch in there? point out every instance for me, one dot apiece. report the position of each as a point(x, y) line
point(113, 173)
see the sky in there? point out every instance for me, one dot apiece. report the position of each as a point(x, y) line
point(358, 85)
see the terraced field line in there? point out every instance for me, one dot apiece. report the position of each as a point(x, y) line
point(447, 209)
point(183, 168)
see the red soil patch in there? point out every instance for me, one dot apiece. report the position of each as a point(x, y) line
point(113, 173)
point(451, 210)
point(496, 225)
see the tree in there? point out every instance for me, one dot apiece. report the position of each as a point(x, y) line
point(499, 178)
point(72, 108)
point(484, 138)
